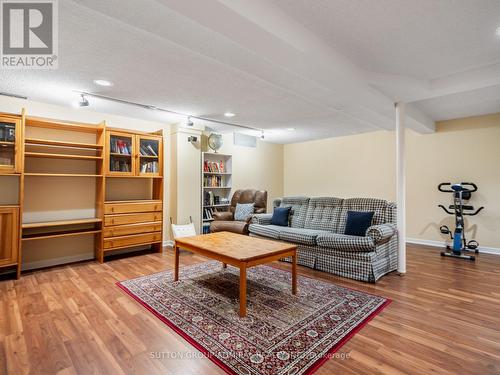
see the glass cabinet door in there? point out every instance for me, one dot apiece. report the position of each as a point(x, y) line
point(121, 151)
point(150, 155)
point(9, 138)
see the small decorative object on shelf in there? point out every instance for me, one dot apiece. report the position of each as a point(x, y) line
point(215, 141)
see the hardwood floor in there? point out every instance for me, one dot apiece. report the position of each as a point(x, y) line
point(444, 318)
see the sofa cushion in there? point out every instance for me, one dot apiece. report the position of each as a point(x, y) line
point(323, 213)
point(358, 222)
point(300, 235)
point(299, 210)
point(271, 231)
point(378, 206)
point(281, 216)
point(243, 211)
point(345, 242)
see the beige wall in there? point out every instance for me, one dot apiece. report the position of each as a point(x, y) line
point(364, 165)
point(359, 165)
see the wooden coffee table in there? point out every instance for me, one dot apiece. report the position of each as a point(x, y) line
point(239, 251)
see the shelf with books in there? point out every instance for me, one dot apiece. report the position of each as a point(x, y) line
point(216, 186)
point(10, 140)
point(134, 155)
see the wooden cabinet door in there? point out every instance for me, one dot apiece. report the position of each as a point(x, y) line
point(9, 235)
point(149, 155)
point(120, 154)
point(10, 138)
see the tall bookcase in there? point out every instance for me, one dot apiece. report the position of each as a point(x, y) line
point(133, 221)
point(60, 171)
point(216, 186)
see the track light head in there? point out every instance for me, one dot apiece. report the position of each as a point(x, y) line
point(262, 134)
point(189, 122)
point(83, 102)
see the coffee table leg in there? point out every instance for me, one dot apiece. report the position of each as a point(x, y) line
point(243, 290)
point(294, 273)
point(224, 265)
point(176, 263)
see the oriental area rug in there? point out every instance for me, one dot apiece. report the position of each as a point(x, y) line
point(281, 334)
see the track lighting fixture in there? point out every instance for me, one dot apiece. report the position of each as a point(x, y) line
point(262, 135)
point(189, 123)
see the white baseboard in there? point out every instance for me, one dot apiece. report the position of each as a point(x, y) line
point(57, 261)
point(442, 244)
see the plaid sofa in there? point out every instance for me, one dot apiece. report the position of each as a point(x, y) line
point(317, 225)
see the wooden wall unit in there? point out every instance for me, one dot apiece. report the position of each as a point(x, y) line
point(26, 141)
point(133, 222)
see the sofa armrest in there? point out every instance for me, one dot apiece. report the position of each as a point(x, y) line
point(382, 232)
point(223, 216)
point(262, 219)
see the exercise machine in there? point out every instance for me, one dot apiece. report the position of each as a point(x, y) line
point(461, 191)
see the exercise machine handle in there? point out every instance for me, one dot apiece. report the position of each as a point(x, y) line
point(440, 187)
point(474, 186)
point(474, 213)
point(448, 212)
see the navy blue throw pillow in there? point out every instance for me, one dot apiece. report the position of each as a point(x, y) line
point(280, 216)
point(358, 222)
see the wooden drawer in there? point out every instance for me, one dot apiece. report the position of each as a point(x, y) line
point(124, 230)
point(136, 239)
point(131, 207)
point(147, 217)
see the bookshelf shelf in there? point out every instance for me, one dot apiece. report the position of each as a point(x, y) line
point(39, 122)
point(62, 144)
point(117, 154)
point(125, 176)
point(61, 156)
point(67, 233)
point(60, 223)
point(62, 175)
point(4, 143)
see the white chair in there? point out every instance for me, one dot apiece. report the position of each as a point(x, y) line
point(186, 230)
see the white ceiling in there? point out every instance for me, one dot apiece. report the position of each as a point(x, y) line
point(325, 67)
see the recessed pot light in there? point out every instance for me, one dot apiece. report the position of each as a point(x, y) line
point(229, 114)
point(103, 82)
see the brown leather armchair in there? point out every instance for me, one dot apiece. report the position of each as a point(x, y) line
point(224, 221)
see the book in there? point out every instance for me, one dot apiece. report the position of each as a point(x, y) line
point(151, 150)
